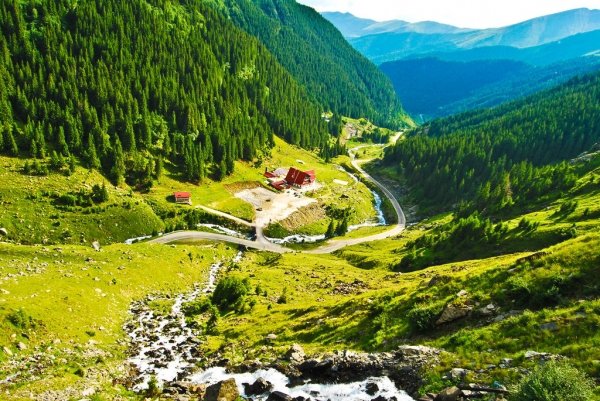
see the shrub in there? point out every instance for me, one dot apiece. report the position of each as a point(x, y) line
point(423, 317)
point(21, 320)
point(230, 292)
point(554, 381)
point(196, 307)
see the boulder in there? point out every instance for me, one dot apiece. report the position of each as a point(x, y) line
point(3, 232)
point(372, 388)
point(457, 374)
point(96, 246)
point(271, 337)
point(279, 396)
point(295, 354)
point(260, 386)
point(453, 312)
point(449, 394)
point(225, 390)
point(21, 346)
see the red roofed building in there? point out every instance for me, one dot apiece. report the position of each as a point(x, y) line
point(183, 197)
point(299, 178)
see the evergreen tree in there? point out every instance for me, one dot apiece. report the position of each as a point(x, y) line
point(330, 229)
point(117, 171)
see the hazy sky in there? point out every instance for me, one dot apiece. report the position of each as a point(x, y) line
point(463, 13)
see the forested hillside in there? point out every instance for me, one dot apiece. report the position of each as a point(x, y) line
point(428, 84)
point(129, 86)
point(504, 157)
point(431, 87)
point(318, 56)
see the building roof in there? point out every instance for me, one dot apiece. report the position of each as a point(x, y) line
point(297, 177)
point(182, 195)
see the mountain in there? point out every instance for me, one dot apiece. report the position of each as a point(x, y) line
point(320, 59)
point(394, 44)
point(580, 45)
point(507, 157)
point(126, 86)
point(353, 27)
point(428, 84)
point(432, 87)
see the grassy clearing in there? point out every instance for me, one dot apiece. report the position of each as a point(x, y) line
point(71, 303)
point(220, 195)
point(32, 213)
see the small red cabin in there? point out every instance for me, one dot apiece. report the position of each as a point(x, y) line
point(183, 197)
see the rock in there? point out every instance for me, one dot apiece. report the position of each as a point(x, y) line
point(260, 386)
point(458, 374)
point(488, 310)
point(295, 354)
point(462, 293)
point(88, 392)
point(225, 390)
point(271, 337)
point(279, 396)
point(21, 346)
point(551, 326)
point(7, 351)
point(453, 312)
point(449, 394)
point(96, 246)
point(3, 232)
point(372, 388)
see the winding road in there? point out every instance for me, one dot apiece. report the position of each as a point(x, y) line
point(261, 243)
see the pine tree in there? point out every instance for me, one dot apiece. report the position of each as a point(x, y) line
point(63, 148)
point(330, 229)
point(93, 162)
point(117, 171)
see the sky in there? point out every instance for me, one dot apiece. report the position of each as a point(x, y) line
point(462, 13)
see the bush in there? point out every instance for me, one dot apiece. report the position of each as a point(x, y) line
point(21, 320)
point(554, 381)
point(423, 317)
point(230, 292)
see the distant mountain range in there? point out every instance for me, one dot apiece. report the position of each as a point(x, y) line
point(393, 40)
point(431, 88)
point(438, 69)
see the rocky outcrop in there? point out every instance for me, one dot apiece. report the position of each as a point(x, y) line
point(295, 354)
point(453, 312)
point(449, 394)
point(402, 366)
point(223, 391)
point(260, 386)
point(279, 396)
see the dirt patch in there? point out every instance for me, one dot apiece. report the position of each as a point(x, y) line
point(271, 207)
point(242, 185)
point(306, 215)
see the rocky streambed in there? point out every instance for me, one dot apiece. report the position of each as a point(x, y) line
point(163, 346)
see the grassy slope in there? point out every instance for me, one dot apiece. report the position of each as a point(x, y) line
point(80, 300)
point(31, 215)
point(220, 195)
point(561, 287)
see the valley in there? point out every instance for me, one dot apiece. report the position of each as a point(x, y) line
point(230, 200)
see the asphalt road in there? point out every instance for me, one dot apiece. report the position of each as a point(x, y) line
point(262, 244)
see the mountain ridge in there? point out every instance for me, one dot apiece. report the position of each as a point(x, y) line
point(407, 40)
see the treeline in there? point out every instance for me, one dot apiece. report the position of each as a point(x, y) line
point(129, 86)
point(495, 159)
point(318, 56)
